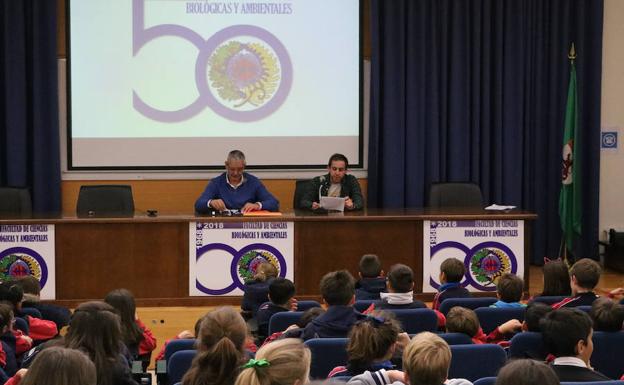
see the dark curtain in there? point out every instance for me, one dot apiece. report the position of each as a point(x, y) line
point(29, 134)
point(475, 90)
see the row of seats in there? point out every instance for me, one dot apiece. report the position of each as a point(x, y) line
point(469, 361)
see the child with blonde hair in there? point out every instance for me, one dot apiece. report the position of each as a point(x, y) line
point(284, 362)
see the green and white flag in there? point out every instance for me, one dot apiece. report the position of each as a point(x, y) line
point(570, 197)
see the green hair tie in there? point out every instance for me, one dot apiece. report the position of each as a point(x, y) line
point(253, 363)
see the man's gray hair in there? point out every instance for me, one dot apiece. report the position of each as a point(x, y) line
point(236, 155)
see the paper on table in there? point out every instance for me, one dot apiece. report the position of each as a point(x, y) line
point(333, 203)
point(500, 207)
point(262, 213)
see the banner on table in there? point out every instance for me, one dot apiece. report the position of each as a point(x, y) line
point(488, 249)
point(28, 249)
point(224, 255)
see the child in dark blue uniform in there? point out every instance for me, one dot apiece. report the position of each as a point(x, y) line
point(281, 291)
point(400, 293)
point(452, 271)
point(371, 282)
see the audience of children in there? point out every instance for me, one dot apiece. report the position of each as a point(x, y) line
point(556, 278)
point(256, 291)
point(372, 343)
point(584, 276)
point(281, 292)
point(567, 335)
point(607, 315)
point(220, 349)
point(32, 291)
point(526, 372)
point(426, 361)
point(284, 362)
point(57, 366)
point(400, 286)
point(452, 271)
point(509, 289)
point(371, 282)
point(136, 336)
point(38, 329)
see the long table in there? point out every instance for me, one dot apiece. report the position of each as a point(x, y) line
point(149, 255)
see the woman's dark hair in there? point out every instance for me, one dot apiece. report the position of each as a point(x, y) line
point(94, 329)
point(556, 279)
point(123, 302)
point(220, 346)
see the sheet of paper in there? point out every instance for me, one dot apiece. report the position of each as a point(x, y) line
point(500, 207)
point(333, 203)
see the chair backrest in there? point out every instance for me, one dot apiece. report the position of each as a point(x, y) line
point(105, 201)
point(178, 364)
point(585, 308)
point(491, 317)
point(456, 338)
point(22, 324)
point(363, 304)
point(15, 202)
point(177, 345)
point(305, 305)
point(606, 357)
point(455, 194)
point(280, 321)
point(485, 381)
point(476, 361)
point(416, 320)
point(327, 353)
point(470, 303)
point(548, 299)
point(31, 311)
point(527, 345)
point(300, 187)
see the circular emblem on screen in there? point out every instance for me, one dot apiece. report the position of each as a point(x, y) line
point(487, 265)
point(249, 262)
point(19, 262)
point(244, 76)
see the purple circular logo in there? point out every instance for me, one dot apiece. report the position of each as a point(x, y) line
point(485, 263)
point(242, 260)
point(18, 262)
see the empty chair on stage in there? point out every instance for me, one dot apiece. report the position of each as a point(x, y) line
point(105, 201)
point(455, 194)
point(15, 202)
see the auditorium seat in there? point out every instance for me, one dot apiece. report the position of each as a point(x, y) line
point(476, 361)
point(527, 345)
point(415, 321)
point(105, 201)
point(456, 338)
point(280, 321)
point(455, 194)
point(491, 317)
point(327, 353)
point(305, 305)
point(178, 364)
point(177, 345)
point(607, 357)
point(15, 202)
point(469, 303)
point(485, 381)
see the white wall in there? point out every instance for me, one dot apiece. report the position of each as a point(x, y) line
point(612, 161)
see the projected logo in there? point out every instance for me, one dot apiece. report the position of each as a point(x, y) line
point(244, 264)
point(16, 262)
point(485, 263)
point(242, 72)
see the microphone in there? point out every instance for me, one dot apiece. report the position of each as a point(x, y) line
point(322, 179)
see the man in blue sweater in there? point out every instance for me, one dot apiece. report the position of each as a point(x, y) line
point(235, 190)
